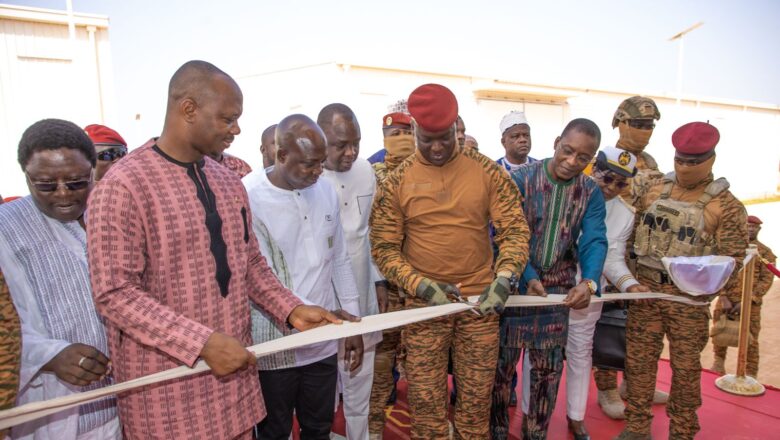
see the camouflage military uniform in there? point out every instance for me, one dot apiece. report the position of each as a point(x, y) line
point(432, 222)
point(762, 282)
point(389, 351)
point(685, 325)
point(636, 107)
point(10, 349)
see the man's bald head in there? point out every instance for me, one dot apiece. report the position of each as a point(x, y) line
point(325, 118)
point(204, 104)
point(342, 132)
point(300, 152)
point(194, 79)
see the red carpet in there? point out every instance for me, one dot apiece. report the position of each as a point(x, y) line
point(722, 416)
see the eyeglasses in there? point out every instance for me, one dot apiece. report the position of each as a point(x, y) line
point(609, 180)
point(642, 124)
point(112, 154)
point(47, 187)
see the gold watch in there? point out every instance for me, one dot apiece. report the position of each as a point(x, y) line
point(592, 286)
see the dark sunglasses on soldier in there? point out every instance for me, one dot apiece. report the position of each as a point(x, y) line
point(642, 124)
point(112, 154)
point(608, 180)
point(73, 185)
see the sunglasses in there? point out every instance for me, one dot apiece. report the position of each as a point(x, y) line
point(609, 180)
point(47, 187)
point(642, 124)
point(112, 154)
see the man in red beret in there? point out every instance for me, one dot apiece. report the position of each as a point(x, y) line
point(687, 213)
point(762, 282)
point(429, 229)
point(109, 146)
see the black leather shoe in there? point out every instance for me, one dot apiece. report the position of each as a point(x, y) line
point(577, 428)
point(513, 398)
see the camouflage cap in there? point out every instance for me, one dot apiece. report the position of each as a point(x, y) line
point(636, 107)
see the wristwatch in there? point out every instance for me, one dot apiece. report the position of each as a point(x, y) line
point(592, 286)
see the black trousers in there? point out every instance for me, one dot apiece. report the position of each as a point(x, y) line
point(309, 390)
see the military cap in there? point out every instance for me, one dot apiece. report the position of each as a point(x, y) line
point(434, 107)
point(753, 219)
point(695, 138)
point(396, 119)
point(616, 160)
point(636, 107)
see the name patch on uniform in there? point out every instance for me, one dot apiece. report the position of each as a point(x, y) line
point(668, 210)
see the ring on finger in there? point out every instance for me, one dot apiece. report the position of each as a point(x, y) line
point(81, 361)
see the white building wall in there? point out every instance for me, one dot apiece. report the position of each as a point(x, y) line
point(45, 75)
point(748, 153)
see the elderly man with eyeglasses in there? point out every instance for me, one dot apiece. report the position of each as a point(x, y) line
point(44, 259)
point(109, 146)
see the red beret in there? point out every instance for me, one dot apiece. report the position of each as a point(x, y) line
point(433, 107)
point(695, 138)
point(102, 135)
point(754, 219)
point(396, 119)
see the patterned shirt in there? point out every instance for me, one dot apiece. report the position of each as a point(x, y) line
point(567, 224)
point(509, 166)
point(235, 164)
point(173, 258)
point(10, 348)
point(432, 222)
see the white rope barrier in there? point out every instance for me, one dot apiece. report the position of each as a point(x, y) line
point(368, 324)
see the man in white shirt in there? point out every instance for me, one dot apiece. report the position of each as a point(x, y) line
point(353, 179)
point(612, 171)
point(516, 139)
point(296, 219)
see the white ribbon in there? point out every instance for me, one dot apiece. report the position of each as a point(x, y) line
point(36, 410)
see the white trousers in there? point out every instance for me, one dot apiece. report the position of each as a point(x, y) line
point(579, 361)
point(356, 392)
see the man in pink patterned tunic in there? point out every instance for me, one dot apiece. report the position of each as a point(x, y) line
point(174, 264)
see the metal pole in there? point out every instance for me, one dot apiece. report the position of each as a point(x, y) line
point(680, 69)
point(679, 36)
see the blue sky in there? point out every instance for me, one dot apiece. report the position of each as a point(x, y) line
point(620, 45)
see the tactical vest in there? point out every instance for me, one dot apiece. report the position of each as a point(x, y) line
point(671, 228)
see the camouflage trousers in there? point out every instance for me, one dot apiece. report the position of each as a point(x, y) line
point(605, 379)
point(387, 354)
point(687, 329)
point(755, 328)
point(474, 343)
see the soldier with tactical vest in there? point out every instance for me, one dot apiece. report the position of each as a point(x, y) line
point(635, 120)
point(687, 213)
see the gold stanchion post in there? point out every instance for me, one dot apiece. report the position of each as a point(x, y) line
point(739, 383)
